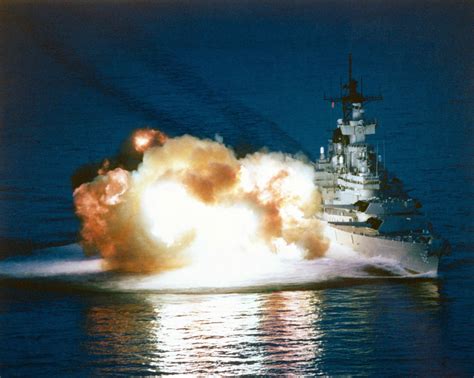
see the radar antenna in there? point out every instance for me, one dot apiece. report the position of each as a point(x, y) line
point(350, 95)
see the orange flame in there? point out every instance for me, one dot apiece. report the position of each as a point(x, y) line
point(144, 139)
point(192, 196)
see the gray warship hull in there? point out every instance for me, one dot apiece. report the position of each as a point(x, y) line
point(413, 256)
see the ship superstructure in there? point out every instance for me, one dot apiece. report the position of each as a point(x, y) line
point(364, 206)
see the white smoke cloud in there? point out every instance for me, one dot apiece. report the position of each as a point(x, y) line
point(192, 202)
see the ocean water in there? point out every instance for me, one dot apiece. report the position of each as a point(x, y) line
point(77, 77)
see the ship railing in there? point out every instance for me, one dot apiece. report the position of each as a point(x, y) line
point(365, 180)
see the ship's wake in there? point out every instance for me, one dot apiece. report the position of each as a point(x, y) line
point(67, 269)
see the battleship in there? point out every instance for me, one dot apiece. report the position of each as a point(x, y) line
point(364, 206)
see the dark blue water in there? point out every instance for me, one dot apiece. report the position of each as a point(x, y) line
point(77, 78)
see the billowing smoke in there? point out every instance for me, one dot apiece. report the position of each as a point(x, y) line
point(191, 201)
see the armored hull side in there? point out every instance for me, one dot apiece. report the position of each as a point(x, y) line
point(413, 256)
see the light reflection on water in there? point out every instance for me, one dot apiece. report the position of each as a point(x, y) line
point(291, 330)
point(390, 327)
point(223, 334)
point(345, 326)
point(206, 332)
point(301, 332)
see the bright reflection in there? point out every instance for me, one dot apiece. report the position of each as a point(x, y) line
point(279, 333)
point(201, 334)
point(291, 331)
point(237, 334)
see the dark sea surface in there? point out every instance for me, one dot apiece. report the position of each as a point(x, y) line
point(77, 77)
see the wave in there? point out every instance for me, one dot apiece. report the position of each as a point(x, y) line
point(45, 37)
point(66, 268)
point(242, 125)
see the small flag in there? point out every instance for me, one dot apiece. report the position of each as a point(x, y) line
point(332, 104)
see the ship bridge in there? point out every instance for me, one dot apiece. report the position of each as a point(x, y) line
point(350, 173)
point(356, 129)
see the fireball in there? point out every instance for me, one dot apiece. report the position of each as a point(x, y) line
point(192, 202)
point(144, 139)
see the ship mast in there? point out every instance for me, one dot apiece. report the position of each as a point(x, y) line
point(350, 95)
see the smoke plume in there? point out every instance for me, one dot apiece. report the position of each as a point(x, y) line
point(191, 201)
